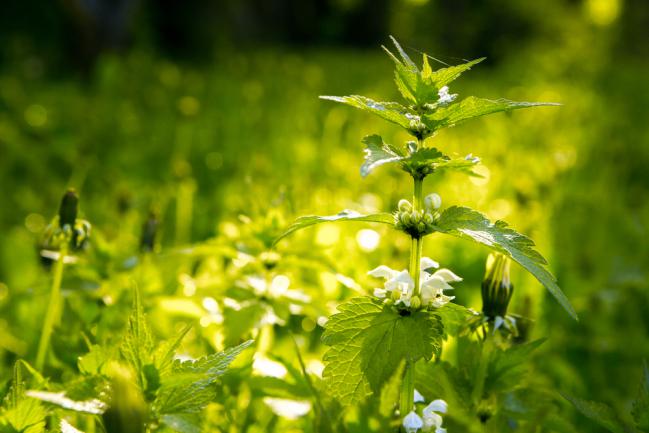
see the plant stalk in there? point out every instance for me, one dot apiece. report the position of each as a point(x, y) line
point(52, 308)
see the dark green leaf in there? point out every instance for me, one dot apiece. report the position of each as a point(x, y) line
point(601, 413)
point(468, 224)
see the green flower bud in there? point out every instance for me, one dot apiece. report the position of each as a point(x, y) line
point(433, 201)
point(497, 288)
point(405, 218)
point(415, 302)
point(405, 206)
point(395, 295)
point(421, 226)
point(428, 218)
point(149, 232)
point(68, 209)
point(416, 216)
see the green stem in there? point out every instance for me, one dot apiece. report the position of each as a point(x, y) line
point(52, 308)
point(407, 398)
point(418, 242)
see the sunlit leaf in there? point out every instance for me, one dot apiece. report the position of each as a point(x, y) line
point(378, 153)
point(346, 215)
point(472, 107)
point(469, 224)
point(390, 111)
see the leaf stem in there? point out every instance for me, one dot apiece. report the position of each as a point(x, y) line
point(52, 308)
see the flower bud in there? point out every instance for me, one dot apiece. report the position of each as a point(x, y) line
point(428, 218)
point(149, 232)
point(405, 206)
point(497, 288)
point(416, 216)
point(405, 218)
point(415, 302)
point(433, 201)
point(68, 209)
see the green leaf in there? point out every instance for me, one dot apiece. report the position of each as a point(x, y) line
point(183, 423)
point(468, 224)
point(426, 160)
point(138, 344)
point(390, 111)
point(507, 368)
point(472, 107)
point(164, 354)
point(189, 388)
point(640, 410)
point(391, 391)
point(601, 413)
point(346, 215)
point(27, 416)
point(378, 153)
point(442, 77)
point(368, 342)
point(454, 317)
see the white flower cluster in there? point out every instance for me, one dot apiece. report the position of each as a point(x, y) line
point(430, 419)
point(444, 97)
point(400, 286)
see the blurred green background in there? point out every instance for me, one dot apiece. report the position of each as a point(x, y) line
point(205, 111)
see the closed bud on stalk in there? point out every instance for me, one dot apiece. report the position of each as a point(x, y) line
point(405, 206)
point(497, 288)
point(68, 209)
point(433, 201)
point(149, 233)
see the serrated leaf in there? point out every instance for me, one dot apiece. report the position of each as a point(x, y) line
point(27, 416)
point(472, 107)
point(507, 367)
point(189, 387)
point(378, 153)
point(390, 111)
point(601, 413)
point(138, 344)
point(164, 354)
point(640, 410)
point(346, 215)
point(442, 77)
point(368, 342)
point(469, 224)
point(183, 423)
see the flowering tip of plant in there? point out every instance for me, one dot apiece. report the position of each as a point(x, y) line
point(399, 286)
point(497, 288)
point(66, 230)
point(418, 223)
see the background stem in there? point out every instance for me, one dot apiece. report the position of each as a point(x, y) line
point(52, 309)
point(407, 398)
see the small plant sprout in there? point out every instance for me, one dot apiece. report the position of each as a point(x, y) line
point(66, 233)
point(407, 319)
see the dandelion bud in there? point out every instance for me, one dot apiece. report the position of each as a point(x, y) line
point(433, 201)
point(68, 209)
point(405, 206)
point(497, 288)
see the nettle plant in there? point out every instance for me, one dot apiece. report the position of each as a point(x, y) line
point(382, 344)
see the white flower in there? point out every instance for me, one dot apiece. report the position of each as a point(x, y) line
point(433, 419)
point(412, 422)
point(400, 286)
point(418, 397)
point(433, 286)
point(444, 97)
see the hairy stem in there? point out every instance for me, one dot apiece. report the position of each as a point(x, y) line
point(52, 308)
